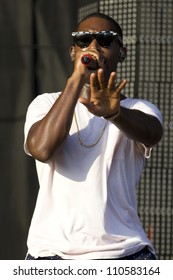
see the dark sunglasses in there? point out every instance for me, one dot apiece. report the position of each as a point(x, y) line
point(104, 38)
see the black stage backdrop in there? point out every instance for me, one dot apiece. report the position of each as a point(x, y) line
point(34, 58)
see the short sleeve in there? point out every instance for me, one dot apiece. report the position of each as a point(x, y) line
point(147, 108)
point(37, 110)
point(143, 106)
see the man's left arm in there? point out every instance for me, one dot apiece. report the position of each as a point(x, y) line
point(138, 126)
point(105, 100)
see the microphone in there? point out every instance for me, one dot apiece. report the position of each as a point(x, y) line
point(89, 61)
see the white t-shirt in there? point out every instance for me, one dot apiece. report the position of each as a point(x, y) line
point(86, 206)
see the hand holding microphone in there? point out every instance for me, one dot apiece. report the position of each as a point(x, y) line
point(89, 61)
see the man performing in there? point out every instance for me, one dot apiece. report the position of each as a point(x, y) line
point(90, 143)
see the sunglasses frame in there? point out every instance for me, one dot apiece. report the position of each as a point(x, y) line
point(94, 34)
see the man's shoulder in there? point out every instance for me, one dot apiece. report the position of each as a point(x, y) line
point(136, 102)
point(48, 95)
point(142, 105)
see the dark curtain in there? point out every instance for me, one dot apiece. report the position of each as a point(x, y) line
point(34, 58)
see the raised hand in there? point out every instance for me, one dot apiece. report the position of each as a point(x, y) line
point(104, 97)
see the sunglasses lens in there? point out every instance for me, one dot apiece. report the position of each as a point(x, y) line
point(83, 40)
point(104, 39)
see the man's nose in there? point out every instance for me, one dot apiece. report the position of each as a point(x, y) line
point(94, 45)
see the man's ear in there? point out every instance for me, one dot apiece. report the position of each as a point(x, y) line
point(122, 56)
point(72, 53)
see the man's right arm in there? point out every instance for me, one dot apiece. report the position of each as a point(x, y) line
point(46, 135)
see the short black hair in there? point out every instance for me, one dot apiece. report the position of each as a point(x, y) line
point(114, 24)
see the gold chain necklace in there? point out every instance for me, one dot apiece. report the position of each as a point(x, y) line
point(80, 138)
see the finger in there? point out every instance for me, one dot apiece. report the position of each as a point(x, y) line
point(84, 101)
point(89, 105)
point(111, 82)
point(101, 79)
point(121, 86)
point(94, 83)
